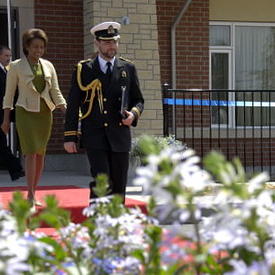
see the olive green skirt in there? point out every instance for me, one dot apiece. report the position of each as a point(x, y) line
point(34, 129)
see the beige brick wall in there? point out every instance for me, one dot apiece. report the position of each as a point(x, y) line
point(139, 43)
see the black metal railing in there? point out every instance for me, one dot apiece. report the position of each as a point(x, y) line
point(238, 123)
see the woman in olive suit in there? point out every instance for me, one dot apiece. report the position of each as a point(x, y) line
point(38, 95)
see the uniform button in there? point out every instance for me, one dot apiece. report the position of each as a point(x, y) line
point(120, 123)
point(105, 112)
point(106, 124)
point(105, 99)
point(119, 99)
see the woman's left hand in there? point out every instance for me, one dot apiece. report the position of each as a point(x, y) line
point(129, 119)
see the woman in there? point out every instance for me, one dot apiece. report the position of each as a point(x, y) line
point(38, 95)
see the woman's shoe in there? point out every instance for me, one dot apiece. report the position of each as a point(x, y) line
point(38, 203)
point(33, 209)
point(32, 203)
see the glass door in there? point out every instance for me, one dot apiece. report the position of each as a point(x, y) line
point(220, 83)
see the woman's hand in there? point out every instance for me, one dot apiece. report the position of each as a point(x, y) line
point(6, 121)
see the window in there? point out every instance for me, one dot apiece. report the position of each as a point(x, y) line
point(242, 57)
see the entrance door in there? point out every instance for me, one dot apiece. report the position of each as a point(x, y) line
point(4, 40)
point(14, 30)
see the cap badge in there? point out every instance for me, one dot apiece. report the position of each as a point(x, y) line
point(111, 30)
point(123, 74)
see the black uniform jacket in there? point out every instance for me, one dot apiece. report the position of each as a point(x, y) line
point(3, 77)
point(101, 126)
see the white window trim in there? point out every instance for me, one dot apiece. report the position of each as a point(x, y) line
point(232, 47)
point(232, 64)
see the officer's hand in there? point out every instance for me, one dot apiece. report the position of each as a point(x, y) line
point(129, 120)
point(70, 147)
point(5, 127)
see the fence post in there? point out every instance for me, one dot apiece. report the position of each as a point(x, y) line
point(165, 88)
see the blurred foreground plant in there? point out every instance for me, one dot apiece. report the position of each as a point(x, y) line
point(239, 235)
point(237, 238)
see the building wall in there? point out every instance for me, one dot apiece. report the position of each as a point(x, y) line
point(244, 10)
point(63, 22)
point(192, 52)
point(145, 41)
point(139, 43)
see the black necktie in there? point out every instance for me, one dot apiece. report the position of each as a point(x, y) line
point(109, 71)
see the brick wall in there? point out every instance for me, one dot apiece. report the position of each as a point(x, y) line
point(191, 42)
point(63, 22)
point(252, 152)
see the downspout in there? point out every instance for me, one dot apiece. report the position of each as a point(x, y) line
point(173, 42)
point(9, 23)
point(11, 132)
point(173, 53)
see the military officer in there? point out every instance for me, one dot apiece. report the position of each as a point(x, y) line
point(105, 97)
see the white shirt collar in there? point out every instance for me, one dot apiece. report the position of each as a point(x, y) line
point(103, 63)
point(2, 67)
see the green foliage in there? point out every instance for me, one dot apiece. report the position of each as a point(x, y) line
point(145, 145)
point(53, 216)
point(114, 236)
point(20, 208)
point(224, 171)
point(102, 186)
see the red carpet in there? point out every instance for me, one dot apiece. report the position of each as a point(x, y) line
point(71, 198)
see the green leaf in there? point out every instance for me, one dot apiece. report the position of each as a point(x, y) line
point(102, 185)
point(52, 215)
point(20, 209)
point(59, 253)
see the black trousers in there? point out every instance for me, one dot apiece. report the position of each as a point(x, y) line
point(12, 163)
point(114, 164)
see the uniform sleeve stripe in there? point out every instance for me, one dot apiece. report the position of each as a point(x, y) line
point(136, 110)
point(70, 133)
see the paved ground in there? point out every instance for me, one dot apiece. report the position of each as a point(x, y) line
point(51, 178)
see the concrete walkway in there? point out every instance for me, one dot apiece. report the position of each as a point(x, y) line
point(52, 178)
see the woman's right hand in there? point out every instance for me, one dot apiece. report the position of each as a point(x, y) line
point(6, 121)
point(5, 127)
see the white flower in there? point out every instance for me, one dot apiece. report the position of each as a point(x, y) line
point(257, 182)
point(240, 268)
point(184, 216)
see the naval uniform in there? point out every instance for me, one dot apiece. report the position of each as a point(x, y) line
point(98, 100)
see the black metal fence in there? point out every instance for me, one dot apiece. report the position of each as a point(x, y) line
point(238, 123)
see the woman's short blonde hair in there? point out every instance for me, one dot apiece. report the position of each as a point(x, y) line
point(31, 34)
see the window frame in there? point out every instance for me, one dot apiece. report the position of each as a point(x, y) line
point(231, 63)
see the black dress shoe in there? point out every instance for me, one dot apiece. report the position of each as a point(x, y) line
point(16, 175)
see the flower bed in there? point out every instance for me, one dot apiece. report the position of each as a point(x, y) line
point(238, 237)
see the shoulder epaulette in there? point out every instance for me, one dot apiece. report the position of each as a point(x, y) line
point(85, 60)
point(125, 59)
